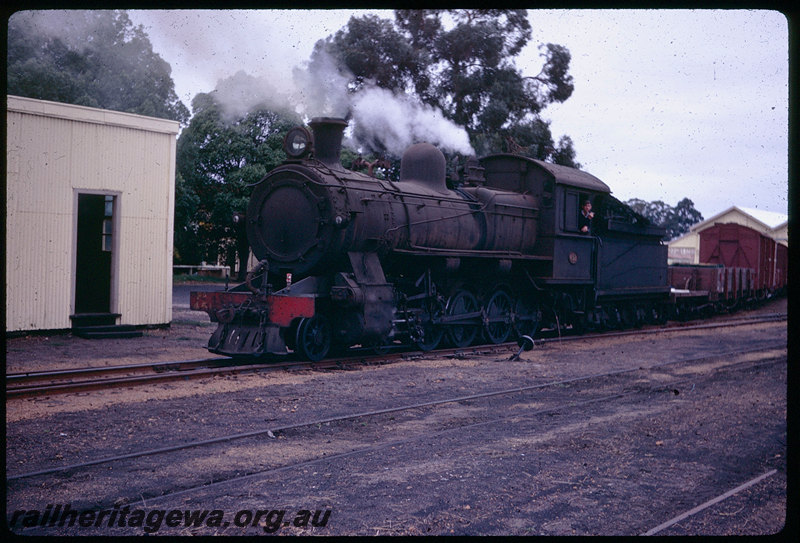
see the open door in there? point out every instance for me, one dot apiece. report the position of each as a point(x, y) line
point(94, 253)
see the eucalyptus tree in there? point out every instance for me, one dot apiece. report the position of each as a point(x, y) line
point(676, 220)
point(462, 61)
point(95, 58)
point(220, 155)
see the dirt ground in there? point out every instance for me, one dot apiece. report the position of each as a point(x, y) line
point(510, 464)
point(184, 339)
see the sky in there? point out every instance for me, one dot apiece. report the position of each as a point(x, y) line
point(667, 104)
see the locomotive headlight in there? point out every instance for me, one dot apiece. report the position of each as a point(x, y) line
point(297, 143)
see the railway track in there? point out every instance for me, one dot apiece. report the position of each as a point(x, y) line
point(37, 383)
point(625, 378)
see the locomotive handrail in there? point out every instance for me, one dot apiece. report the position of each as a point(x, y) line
point(380, 189)
point(435, 219)
point(472, 253)
point(465, 198)
point(512, 206)
point(437, 198)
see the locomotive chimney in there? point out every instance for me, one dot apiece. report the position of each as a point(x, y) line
point(328, 133)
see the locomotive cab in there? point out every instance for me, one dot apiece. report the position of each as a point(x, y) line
point(595, 278)
point(575, 251)
point(621, 255)
point(565, 254)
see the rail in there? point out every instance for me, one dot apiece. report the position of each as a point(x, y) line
point(49, 382)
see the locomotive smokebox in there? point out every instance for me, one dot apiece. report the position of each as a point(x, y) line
point(328, 133)
point(294, 219)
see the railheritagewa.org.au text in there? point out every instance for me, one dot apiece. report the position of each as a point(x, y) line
point(151, 521)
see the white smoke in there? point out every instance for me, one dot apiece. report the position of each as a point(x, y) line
point(321, 88)
point(398, 123)
point(70, 26)
point(379, 118)
point(241, 93)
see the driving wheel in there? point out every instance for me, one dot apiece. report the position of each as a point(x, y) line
point(313, 339)
point(462, 308)
point(497, 317)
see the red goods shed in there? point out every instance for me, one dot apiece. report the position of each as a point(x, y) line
point(737, 246)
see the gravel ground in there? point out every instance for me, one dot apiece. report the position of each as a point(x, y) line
point(185, 339)
point(500, 465)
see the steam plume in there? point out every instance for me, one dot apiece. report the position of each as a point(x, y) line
point(241, 93)
point(398, 122)
point(382, 119)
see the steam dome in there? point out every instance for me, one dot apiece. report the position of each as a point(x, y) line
point(424, 164)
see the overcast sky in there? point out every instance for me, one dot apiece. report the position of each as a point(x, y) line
point(667, 104)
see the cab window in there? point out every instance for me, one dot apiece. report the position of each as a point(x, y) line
point(573, 201)
point(571, 210)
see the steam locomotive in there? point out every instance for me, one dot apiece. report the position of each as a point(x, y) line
point(346, 259)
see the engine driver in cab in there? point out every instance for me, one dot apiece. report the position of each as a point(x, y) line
point(585, 218)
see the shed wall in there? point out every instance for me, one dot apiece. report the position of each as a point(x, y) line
point(56, 151)
point(684, 250)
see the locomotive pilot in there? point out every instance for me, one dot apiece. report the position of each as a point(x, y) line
point(585, 218)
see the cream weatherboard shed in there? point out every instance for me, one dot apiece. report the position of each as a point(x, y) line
point(89, 216)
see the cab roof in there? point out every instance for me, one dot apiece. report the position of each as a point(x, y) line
point(563, 175)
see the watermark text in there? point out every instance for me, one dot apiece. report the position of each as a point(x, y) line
point(152, 520)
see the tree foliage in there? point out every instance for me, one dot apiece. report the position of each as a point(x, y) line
point(462, 62)
point(219, 157)
point(677, 220)
point(91, 58)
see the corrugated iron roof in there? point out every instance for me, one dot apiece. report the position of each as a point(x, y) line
point(770, 218)
point(86, 114)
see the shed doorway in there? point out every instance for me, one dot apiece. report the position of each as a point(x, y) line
point(94, 253)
